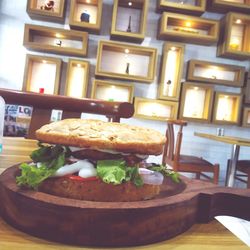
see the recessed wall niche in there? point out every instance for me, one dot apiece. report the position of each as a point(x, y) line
point(191, 7)
point(217, 73)
point(77, 78)
point(86, 15)
point(227, 108)
point(50, 11)
point(171, 71)
point(196, 102)
point(235, 37)
point(129, 20)
point(190, 29)
point(246, 117)
point(55, 40)
point(42, 74)
point(155, 109)
point(112, 91)
point(125, 61)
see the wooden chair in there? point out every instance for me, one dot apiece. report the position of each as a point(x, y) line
point(242, 171)
point(18, 149)
point(185, 163)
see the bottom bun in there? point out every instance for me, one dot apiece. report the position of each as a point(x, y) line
point(98, 190)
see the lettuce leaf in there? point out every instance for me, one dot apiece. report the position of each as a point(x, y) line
point(31, 176)
point(116, 172)
point(166, 172)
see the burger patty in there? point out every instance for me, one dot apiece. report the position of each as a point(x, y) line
point(96, 155)
point(98, 190)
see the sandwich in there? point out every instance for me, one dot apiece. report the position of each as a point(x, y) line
point(96, 161)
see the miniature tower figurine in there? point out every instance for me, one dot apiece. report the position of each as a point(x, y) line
point(129, 24)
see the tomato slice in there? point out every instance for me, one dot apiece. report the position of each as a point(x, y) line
point(79, 178)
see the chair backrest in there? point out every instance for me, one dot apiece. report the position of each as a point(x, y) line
point(43, 105)
point(172, 146)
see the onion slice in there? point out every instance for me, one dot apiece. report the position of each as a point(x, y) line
point(151, 177)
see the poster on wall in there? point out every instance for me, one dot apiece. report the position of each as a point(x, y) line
point(17, 120)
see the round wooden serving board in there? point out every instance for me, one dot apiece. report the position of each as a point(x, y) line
point(90, 223)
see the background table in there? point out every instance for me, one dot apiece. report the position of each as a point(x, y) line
point(236, 142)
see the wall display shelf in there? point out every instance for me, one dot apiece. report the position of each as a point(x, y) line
point(246, 117)
point(196, 7)
point(54, 40)
point(171, 71)
point(125, 61)
point(246, 89)
point(86, 15)
point(77, 78)
point(112, 91)
point(129, 20)
point(235, 39)
point(42, 74)
point(155, 109)
point(227, 108)
point(190, 29)
point(224, 6)
point(217, 73)
point(196, 102)
point(50, 11)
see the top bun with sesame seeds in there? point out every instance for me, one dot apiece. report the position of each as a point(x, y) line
point(96, 134)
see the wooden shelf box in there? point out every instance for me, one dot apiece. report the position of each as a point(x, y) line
point(77, 78)
point(54, 40)
point(246, 117)
point(126, 61)
point(112, 91)
point(155, 109)
point(42, 74)
point(196, 102)
point(171, 71)
point(235, 39)
point(246, 89)
point(129, 20)
point(196, 8)
point(50, 11)
point(227, 108)
point(86, 15)
point(217, 73)
point(224, 6)
point(183, 28)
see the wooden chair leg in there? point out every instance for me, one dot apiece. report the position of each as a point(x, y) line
point(216, 173)
point(197, 176)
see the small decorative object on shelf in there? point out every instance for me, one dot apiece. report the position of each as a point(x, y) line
point(190, 29)
point(196, 102)
point(125, 61)
point(42, 74)
point(129, 20)
point(246, 89)
point(235, 38)
point(129, 24)
point(217, 73)
point(58, 42)
point(227, 108)
point(127, 68)
point(85, 16)
point(155, 109)
point(171, 71)
point(41, 90)
point(196, 8)
point(48, 5)
point(45, 10)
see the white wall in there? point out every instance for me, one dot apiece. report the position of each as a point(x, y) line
point(12, 58)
